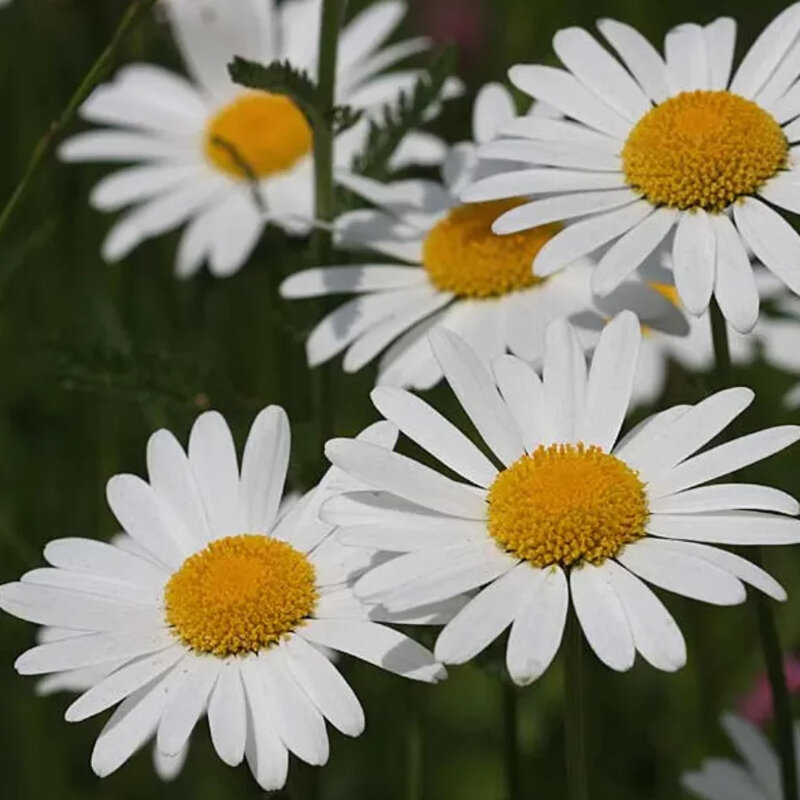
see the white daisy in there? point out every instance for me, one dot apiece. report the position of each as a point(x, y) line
point(758, 778)
point(179, 134)
point(215, 606)
point(780, 342)
point(572, 511)
point(659, 144)
point(452, 271)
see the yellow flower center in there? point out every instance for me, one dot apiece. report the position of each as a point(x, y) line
point(260, 133)
point(703, 149)
point(240, 595)
point(564, 503)
point(463, 256)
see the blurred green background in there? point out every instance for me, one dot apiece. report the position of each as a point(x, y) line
point(94, 357)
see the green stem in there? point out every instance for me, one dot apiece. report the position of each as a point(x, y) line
point(574, 716)
point(129, 20)
point(413, 747)
point(325, 199)
point(767, 626)
point(511, 736)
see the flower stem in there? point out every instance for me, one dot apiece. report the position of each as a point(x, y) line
point(574, 716)
point(511, 736)
point(413, 746)
point(324, 197)
point(767, 626)
point(97, 71)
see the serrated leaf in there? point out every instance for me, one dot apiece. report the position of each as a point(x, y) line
point(388, 130)
point(344, 117)
point(280, 77)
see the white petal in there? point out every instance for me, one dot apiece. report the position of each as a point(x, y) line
point(720, 40)
point(174, 483)
point(724, 497)
point(722, 780)
point(538, 626)
point(693, 256)
point(212, 455)
point(610, 382)
point(297, 721)
point(187, 705)
point(553, 154)
point(564, 379)
point(523, 393)
point(655, 633)
point(406, 478)
point(484, 618)
point(733, 527)
point(729, 562)
point(757, 752)
point(781, 79)
point(633, 247)
point(142, 183)
point(782, 190)
point(766, 53)
point(690, 431)
point(380, 232)
point(594, 67)
point(640, 57)
point(323, 683)
point(735, 288)
point(123, 682)
point(92, 649)
point(133, 723)
point(473, 386)
point(680, 572)
point(375, 644)
point(322, 281)
point(561, 207)
point(602, 617)
point(587, 235)
point(636, 443)
point(493, 106)
point(227, 714)
point(110, 145)
point(540, 181)
point(687, 64)
point(725, 458)
point(431, 431)
point(264, 465)
point(562, 90)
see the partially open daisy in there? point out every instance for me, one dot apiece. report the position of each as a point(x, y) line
point(220, 608)
point(758, 778)
point(660, 144)
point(195, 143)
point(570, 512)
point(453, 271)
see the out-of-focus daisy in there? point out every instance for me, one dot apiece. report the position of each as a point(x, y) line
point(659, 144)
point(571, 512)
point(758, 778)
point(217, 610)
point(452, 271)
point(780, 342)
point(191, 140)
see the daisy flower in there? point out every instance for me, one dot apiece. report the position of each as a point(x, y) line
point(780, 342)
point(189, 139)
point(571, 512)
point(758, 778)
point(446, 268)
point(214, 606)
point(653, 145)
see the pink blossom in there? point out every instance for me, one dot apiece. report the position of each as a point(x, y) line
point(756, 706)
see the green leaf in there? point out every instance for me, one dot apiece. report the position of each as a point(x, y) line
point(386, 132)
point(280, 77)
point(345, 117)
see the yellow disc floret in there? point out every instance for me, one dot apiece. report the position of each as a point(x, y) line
point(257, 134)
point(565, 503)
point(240, 595)
point(703, 149)
point(463, 256)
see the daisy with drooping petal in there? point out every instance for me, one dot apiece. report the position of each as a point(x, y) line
point(445, 267)
point(758, 778)
point(190, 141)
point(571, 512)
point(662, 144)
point(220, 608)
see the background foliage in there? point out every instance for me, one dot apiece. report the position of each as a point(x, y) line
point(95, 357)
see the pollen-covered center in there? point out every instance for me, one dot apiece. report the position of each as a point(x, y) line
point(564, 503)
point(703, 149)
point(240, 595)
point(258, 133)
point(463, 256)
